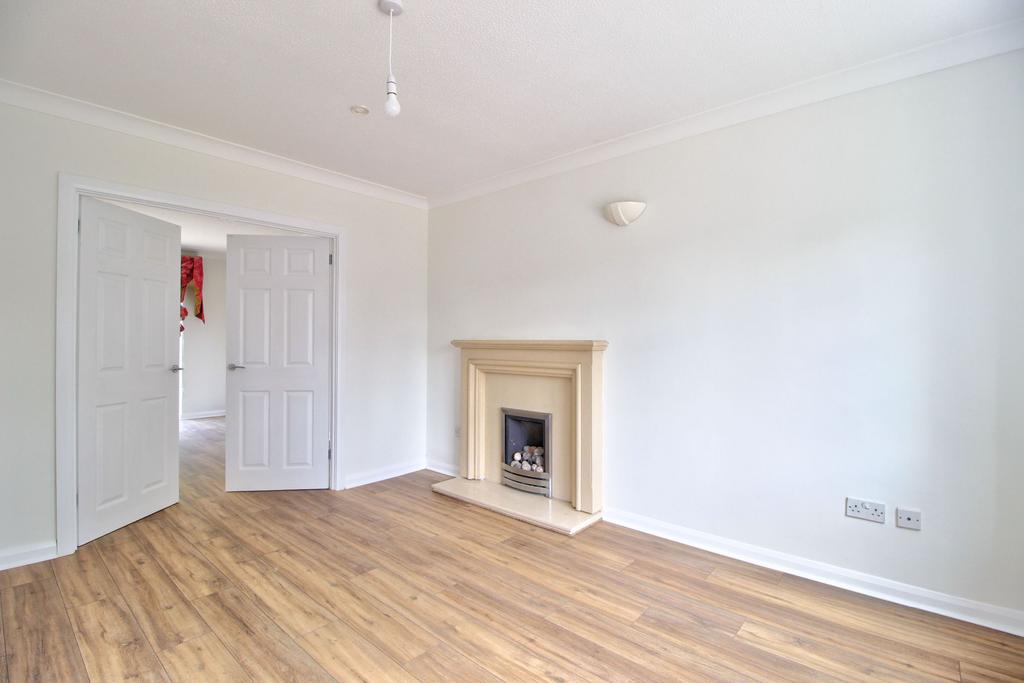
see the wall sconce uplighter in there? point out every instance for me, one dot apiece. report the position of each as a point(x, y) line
point(623, 213)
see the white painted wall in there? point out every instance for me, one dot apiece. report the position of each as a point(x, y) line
point(825, 302)
point(382, 268)
point(203, 356)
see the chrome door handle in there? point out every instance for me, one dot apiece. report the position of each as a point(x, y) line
point(176, 368)
point(232, 366)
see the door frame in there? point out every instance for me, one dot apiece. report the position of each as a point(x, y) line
point(71, 188)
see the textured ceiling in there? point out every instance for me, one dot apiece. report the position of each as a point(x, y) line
point(487, 87)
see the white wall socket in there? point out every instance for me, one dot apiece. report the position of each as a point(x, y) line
point(865, 509)
point(908, 519)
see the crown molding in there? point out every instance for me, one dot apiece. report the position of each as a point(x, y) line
point(46, 102)
point(967, 47)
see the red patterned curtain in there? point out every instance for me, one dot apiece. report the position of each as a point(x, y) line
point(192, 271)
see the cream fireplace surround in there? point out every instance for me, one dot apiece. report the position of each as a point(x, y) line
point(561, 377)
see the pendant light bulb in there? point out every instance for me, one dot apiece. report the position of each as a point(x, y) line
point(392, 107)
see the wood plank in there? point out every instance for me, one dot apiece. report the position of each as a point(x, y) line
point(742, 658)
point(547, 639)
point(822, 656)
point(444, 663)
point(163, 613)
point(497, 653)
point(262, 648)
point(976, 673)
point(646, 648)
point(274, 594)
point(203, 658)
point(40, 641)
point(584, 585)
point(83, 578)
point(190, 521)
point(112, 644)
point(750, 606)
point(310, 535)
point(383, 626)
point(189, 570)
point(347, 656)
point(125, 534)
point(29, 573)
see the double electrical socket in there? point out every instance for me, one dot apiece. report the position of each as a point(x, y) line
point(865, 509)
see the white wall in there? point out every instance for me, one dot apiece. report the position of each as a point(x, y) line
point(382, 268)
point(204, 353)
point(821, 303)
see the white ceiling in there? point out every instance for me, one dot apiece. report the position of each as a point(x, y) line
point(203, 234)
point(487, 87)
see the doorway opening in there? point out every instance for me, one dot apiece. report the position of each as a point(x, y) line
point(210, 368)
point(269, 288)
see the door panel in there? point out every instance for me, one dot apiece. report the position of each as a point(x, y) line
point(278, 397)
point(129, 270)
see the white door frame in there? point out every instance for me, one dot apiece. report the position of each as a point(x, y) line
point(71, 189)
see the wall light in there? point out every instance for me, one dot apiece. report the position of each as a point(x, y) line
point(624, 213)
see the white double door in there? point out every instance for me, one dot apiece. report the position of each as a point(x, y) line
point(279, 362)
point(278, 398)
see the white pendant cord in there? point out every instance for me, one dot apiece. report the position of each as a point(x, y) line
point(391, 33)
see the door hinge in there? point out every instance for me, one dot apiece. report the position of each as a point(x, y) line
point(330, 259)
point(328, 452)
point(79, 226)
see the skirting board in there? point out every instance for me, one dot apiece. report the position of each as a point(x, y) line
point(27, 554)
point(384, 473)
point(202, 414)
point(984, 614)
point(443, 468)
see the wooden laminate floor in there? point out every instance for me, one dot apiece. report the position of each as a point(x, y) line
point(391, 582)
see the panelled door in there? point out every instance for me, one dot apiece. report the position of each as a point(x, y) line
point(279, 364)
point(129, 278)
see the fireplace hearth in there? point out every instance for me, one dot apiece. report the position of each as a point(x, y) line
point(527, 459)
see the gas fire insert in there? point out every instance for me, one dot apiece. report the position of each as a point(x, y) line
point(527, 459)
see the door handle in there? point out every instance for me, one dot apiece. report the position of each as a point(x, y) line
point(232, 366)
point(176, 368)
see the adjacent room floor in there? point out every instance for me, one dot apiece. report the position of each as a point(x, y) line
point(393, 582)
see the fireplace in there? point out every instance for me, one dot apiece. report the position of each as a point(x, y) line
point(527, 459)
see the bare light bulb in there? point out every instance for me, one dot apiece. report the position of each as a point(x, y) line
point(392, 107)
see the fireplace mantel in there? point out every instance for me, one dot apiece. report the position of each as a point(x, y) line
point(533, 344)
point(533, 373)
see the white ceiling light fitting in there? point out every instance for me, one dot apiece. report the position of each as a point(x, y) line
point(391, 8)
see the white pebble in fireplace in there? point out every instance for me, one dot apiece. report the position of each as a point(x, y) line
point(527, 455)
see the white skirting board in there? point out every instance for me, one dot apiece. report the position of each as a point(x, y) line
point(984, 614)
point(443, 468)
point(27, 554)
point(361, 479)
point(202, 414)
